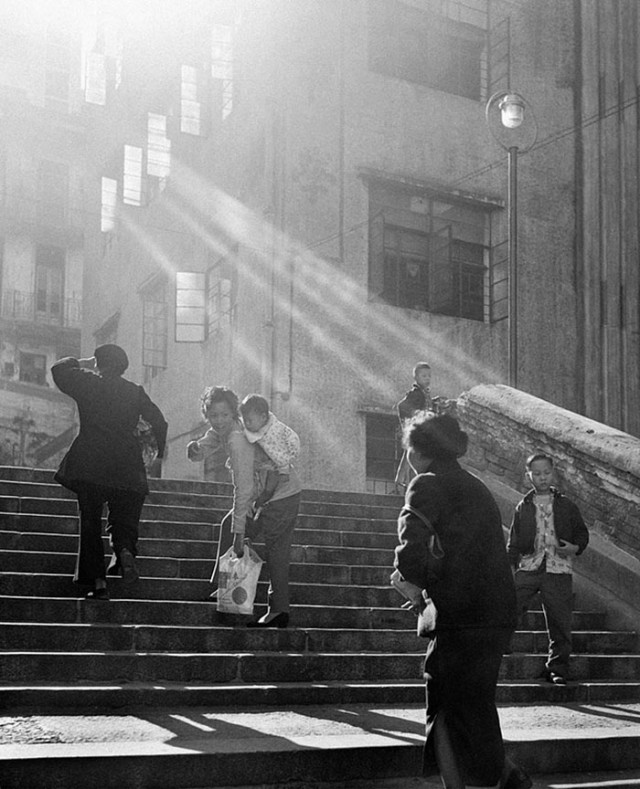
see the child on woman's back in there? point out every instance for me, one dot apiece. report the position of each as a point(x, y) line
point(278, 441)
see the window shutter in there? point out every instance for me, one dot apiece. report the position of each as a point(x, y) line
point(376, 256)
point(499, 282)
point(441, 272)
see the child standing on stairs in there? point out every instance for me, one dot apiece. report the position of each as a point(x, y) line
point(547, 531)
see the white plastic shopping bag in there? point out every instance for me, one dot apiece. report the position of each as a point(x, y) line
point(238, 581)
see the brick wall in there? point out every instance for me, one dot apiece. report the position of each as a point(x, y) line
point(596, 466)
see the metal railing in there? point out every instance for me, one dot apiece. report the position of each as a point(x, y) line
point(23, 306)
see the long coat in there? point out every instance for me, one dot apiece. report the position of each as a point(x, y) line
point(473, 587)
point(106, 450)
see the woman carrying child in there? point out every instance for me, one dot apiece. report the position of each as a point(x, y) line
point(256, 484)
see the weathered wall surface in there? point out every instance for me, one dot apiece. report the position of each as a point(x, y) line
point(597, 466)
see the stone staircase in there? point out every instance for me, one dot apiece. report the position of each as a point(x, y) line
point(148, 691)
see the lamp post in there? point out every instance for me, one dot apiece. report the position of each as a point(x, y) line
point(511, 107)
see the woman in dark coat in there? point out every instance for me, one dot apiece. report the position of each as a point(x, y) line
point(473, 591)
point(104, 463)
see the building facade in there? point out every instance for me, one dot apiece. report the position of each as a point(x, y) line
point(305, 199)
point(42, 228)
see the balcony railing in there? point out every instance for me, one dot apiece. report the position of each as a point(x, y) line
point(24, 307)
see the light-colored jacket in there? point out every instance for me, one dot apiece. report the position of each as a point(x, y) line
point(280, 442)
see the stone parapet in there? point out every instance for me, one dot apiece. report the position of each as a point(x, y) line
point(597, 466)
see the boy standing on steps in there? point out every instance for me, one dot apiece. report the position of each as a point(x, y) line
point(547, 531)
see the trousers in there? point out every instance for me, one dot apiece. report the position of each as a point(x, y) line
point(556, 595)
point(123, 518)
point(276, 524)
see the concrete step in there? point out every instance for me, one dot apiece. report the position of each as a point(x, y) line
point(180, 748)
point(163, 566)
point(71, 608)
point(54, 585)
point(282, 665)
point(141, 637)
point(10, 474)
point(39, 697)
point(60, 523)
point(303, 535)
point(197, 507)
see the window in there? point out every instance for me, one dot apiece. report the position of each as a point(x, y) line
point(443, 47)
point(190, 307)
point(49, 284)
point(132, 182)
point(222, 65)
point(155, 327)
point(33, 368)
point(383, 452)
point(103, 64)
point(109, 197)
point(220, 296)
point(190, 106)
point(158, 146)
point(426, 253)
point(53, 192)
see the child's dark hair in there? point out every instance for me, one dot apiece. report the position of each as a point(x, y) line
point(436, 436)
point(538, 456)
point(218, 394)
point(254, 404)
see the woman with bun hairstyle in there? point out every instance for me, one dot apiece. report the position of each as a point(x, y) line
point(473, 591)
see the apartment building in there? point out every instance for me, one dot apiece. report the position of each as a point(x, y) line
point(303, 199)
point(42, 228)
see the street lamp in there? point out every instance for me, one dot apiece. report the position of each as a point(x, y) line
point(511, 107)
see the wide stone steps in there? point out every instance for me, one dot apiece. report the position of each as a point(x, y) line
point(149, 690)
point(173, 612)
point(296, 746)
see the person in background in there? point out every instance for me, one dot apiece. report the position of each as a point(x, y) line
point(417, 399)
point(250, 468)
point(104, 463)
point(473, 591)
point(547, 531)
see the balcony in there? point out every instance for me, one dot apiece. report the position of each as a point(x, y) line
point(24, 307)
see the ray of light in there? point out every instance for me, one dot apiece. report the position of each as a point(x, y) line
point(342, 304)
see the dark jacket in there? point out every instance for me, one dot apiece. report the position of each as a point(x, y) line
point(414, 400)
point(106, 451)
point(567, 520)
point(473, 586)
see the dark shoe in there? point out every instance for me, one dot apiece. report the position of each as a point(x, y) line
point(128, 566)
point(97, 594)
point(279, 620)
point(516, 778)
point(556, 679)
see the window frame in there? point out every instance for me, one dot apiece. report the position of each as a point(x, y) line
point(452, 280)
point(429, 47)
point(387, 461)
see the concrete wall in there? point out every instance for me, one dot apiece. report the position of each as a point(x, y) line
point(597, 466)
